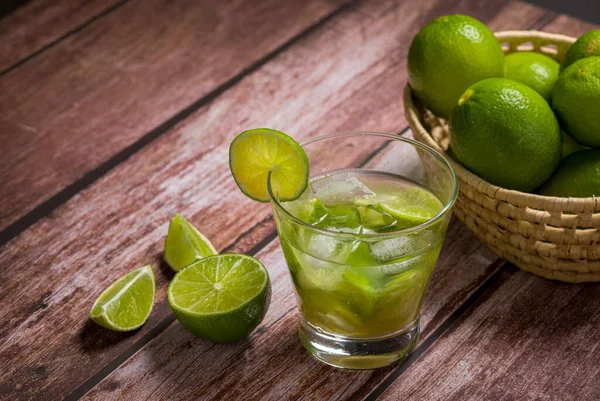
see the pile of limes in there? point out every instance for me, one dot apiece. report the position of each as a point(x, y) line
point(513, 118)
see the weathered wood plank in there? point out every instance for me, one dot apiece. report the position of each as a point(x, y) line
point(527, 339)
point(36, 24)
point(120, 78)
point(119, 222)
point(275, 365)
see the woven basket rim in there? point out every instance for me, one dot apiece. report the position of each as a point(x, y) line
point(522, 199)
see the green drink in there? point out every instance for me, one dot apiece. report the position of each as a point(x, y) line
point(361, 244)
point(361, 287)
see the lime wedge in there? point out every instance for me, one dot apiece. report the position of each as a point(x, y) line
point(256, 153)
point(373, 219)
point(410, 208)
point(185, 244)
point(361, 291)
point(221, 298)
point(311, 211)
point(126, 304)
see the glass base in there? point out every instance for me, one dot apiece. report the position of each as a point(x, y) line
point(359, 353)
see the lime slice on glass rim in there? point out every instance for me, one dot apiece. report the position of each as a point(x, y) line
point(185, 244)
point(221, 298)
point(256, 153)
point(126, 304)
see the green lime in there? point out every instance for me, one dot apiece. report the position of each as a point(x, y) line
point(256, 153)
point(569, 145)
point(506, 133)
point(409, 208)
point(578, 176)
point(185, 244)
point(587, 45)
point(221, 298)
point(449, 55)
point(311, 211)
point(576, 101)
point(374, 219)
point(535, 70)
point(126, 304)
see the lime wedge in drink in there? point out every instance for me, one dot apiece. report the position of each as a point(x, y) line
point(410, 208)
point(185, 244)
point(361, 292)
point(221, 298)
point(256, 153)
point(126, 304)
point(373, 219)
point(311, 211)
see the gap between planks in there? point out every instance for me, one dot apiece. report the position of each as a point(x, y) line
point(61, 197)
point(60, 39)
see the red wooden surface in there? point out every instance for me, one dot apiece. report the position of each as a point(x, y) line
point(151, 93)
point(36, 25)
point(123, 80)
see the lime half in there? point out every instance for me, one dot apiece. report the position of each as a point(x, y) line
point(185, 244)
point(221, 298)
point(256, 153)
point(126, 304)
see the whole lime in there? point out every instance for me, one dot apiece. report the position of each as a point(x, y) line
point(505, 132)
point(576, 101)
point(578, 176)
point(449, 55)
point(587, 45)
point(535, 70)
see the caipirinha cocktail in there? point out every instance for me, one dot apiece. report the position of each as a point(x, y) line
point(355, 286)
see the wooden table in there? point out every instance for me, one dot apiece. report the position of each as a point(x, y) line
point(116, 114)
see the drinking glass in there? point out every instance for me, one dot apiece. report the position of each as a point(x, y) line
point(356, 314)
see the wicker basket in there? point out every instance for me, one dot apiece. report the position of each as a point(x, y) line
point(556, 238)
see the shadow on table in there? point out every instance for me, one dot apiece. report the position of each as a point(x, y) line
point(93, 337)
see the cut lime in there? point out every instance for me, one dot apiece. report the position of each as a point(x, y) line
point(410, 208)
point(185, 244)
point(126, 304)
point(311, 211)
point(221, 298)
point(256, 153)
point(373, 219)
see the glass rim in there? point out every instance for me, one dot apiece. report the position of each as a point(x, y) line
point(447, 206)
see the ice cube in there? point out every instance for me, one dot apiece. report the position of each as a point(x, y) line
point(330, 248)
point(317, 273)
point(388, 250)
point(340, 188)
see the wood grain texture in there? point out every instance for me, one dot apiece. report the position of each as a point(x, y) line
point(320, 85)
point(123, 76)
point(36, 24)
point(529, 339)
